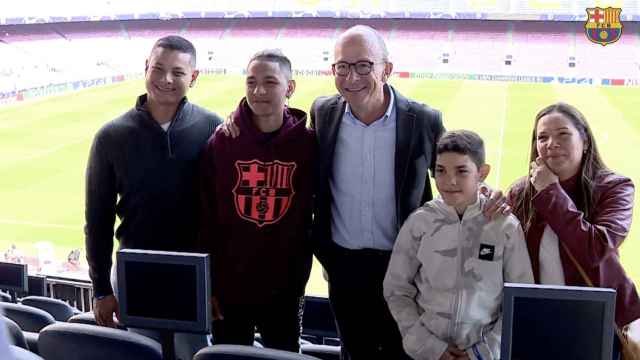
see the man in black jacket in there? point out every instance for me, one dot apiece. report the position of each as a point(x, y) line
point(143, 168)
point(375, 150)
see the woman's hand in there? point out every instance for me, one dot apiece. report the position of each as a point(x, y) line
point(541, 175)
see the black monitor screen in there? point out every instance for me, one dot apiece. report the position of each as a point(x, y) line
point(37, 285)
point(164, 290)
point(13, 276)
point(317, 318)
point(547, 322)
point(175, 284)
point(557, 322)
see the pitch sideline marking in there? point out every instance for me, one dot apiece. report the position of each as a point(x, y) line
point(37, 224)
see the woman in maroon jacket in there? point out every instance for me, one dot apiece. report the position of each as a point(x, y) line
point(572, 205)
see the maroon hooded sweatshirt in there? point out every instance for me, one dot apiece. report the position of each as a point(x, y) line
point(256, 193)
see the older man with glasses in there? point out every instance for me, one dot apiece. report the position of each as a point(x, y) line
point(376, 147)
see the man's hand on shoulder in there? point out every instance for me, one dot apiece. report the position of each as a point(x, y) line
point(103, 310)
point(229, 128)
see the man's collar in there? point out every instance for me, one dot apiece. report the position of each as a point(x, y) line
point(387, 114)
point(142, 103)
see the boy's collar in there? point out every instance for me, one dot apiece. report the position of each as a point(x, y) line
point(471, 210)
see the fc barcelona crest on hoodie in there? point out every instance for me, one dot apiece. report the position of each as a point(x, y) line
point(264, 190)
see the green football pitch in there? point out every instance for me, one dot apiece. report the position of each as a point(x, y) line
point(44, 144)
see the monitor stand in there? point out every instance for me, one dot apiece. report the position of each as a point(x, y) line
point(168, 346)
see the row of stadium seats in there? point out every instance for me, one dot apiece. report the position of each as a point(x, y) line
point(54, 330)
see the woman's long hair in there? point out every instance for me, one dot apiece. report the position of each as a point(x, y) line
point(590, 165)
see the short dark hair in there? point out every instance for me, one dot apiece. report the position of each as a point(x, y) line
point(276, 56)
point(177, 43)
point(463, 142)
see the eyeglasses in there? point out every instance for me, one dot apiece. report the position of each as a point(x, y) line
point(343, 68)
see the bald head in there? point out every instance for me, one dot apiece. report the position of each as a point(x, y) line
point(365, 35)
point(360, 70)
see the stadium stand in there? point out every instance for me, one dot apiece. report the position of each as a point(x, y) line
point(256, 28)
point(90, 30)
point(42, 54)
point(155, 29)
point(28, 32)
point(206, 29)
point(320, 28)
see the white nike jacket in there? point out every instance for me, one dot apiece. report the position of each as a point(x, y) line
point(445, 278)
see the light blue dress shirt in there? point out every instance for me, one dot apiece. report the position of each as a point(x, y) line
point(362, 183)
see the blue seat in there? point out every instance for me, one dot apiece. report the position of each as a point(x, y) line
point(30, 320)
point(243, 352)
point(22, 354)
point(4, 297)
point(16, 337)
point(68, 341)
point(60, 310)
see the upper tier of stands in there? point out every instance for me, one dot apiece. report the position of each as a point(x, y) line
point(81, 49)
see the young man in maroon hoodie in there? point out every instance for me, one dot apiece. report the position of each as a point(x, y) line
point(256, 199)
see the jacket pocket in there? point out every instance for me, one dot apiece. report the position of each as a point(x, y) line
point(438, 256)
point(488, 273)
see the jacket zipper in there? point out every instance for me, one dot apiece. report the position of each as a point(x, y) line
point(456, 302)
point(168, 135)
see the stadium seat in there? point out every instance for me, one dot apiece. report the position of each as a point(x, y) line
point(89, 319)
point(66, 341)
point(318, 323)
point(4, 297)
point(30, 320)
point(22, 354)
point(243, 352)
point(60, 310)
point(15, 335)
point(324, 352)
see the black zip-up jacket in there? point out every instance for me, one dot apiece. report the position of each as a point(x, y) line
point(147, 177)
